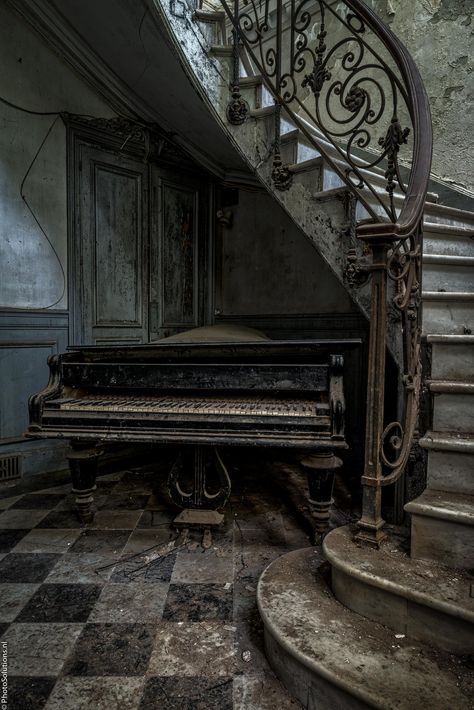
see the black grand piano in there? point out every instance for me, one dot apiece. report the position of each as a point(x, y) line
point(207, 389)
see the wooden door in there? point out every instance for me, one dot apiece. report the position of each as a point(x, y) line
point(110, 268)
point(176, 254)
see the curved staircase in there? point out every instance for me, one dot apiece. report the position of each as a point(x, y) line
point(376, 627)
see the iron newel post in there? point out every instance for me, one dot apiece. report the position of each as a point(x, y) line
point(371, 523)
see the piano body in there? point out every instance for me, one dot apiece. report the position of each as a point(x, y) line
point(200, 394)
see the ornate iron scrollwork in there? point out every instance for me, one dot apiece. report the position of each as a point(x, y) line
point(330, 50)
point(356, 95)
point(282, 177)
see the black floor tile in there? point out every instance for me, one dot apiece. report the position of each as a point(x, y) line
point(104, 486)
point(26, 693)
point(138, 570)
point(60, 603)
point(125, 501)
point(111, 649)
point(3, 628)
point(62, 519)
point(101, 541)
point(9, 538)
point(198, 602)
point(32, 568)
point(44, 501)
point(169, 693)
point(156, 518)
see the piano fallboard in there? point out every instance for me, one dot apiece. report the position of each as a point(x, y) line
point(275, 393)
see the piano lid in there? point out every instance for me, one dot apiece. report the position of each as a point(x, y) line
point(222, 333)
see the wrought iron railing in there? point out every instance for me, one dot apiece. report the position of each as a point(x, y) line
point(345, 80)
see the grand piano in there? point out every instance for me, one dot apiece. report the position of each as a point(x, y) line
point(203, 390)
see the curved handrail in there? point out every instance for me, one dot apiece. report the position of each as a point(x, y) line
point(413, 206)
point(396, 242)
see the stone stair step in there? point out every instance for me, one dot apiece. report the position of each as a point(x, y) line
point(450, 461)
point(454, 411)
point(448, 313)
point(221, 50)
point(436, 213)
point(448, 240)
point(452, 356)
point(448, 273)
point(448, 441)
point(422, 600)
point(331, 657)
point(442, 528)
point(451, 471)
point(450, 387)
point(209, 15)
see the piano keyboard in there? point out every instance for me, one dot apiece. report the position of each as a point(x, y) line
point(238, 406)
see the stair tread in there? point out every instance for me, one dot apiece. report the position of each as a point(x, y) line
point(446, 505)
point(306, 165)
point(451, 386)
point(262, 112)
point(448, 295)
point(450, 338)
point(209, 15)
point(448, 260)
point(435, 227)
point(447, 210)
point(331, 643)
point(252, 80)
point(222, 49)
point(391, 568)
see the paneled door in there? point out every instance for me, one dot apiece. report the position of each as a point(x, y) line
point(110, 267)
point(138, 248)
point(175, 254)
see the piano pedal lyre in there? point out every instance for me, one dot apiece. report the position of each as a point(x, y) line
point(200, 506)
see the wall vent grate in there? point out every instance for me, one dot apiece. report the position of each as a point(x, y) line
point(10, 468)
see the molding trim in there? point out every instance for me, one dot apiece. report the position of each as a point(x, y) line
point(66, 42)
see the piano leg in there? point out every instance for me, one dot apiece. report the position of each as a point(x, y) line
point(320, 468)
point(83, 467)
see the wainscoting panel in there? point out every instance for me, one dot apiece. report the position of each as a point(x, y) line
point(27, 338)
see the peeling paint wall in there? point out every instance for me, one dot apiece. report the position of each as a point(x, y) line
point(439, 35)
point(268, 266)
point(33, 211)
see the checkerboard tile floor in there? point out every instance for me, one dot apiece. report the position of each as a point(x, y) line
point(126, 612)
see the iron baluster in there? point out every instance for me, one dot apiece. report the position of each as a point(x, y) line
point(237, 108)
point(353, 91)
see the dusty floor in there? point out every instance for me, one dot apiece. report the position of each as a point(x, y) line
point(125, 613)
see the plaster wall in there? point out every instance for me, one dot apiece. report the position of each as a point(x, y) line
point(33, 240)
point(439, 35)
point(267, 265)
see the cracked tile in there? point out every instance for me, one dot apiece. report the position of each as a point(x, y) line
point(204, 648)
point(39, 649)
point(47, 541)
point(198, 602)
point(111, 649)
point(187, 694)
point(60, 603)
point(74, 693)
point(13, 598)
point(130, 603)
point(29, 568)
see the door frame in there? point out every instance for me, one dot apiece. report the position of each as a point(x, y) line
point(137, 142)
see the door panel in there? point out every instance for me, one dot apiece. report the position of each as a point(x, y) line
point(135, 277)
point(175, 283)
point(118, 246)
point(111, 283)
